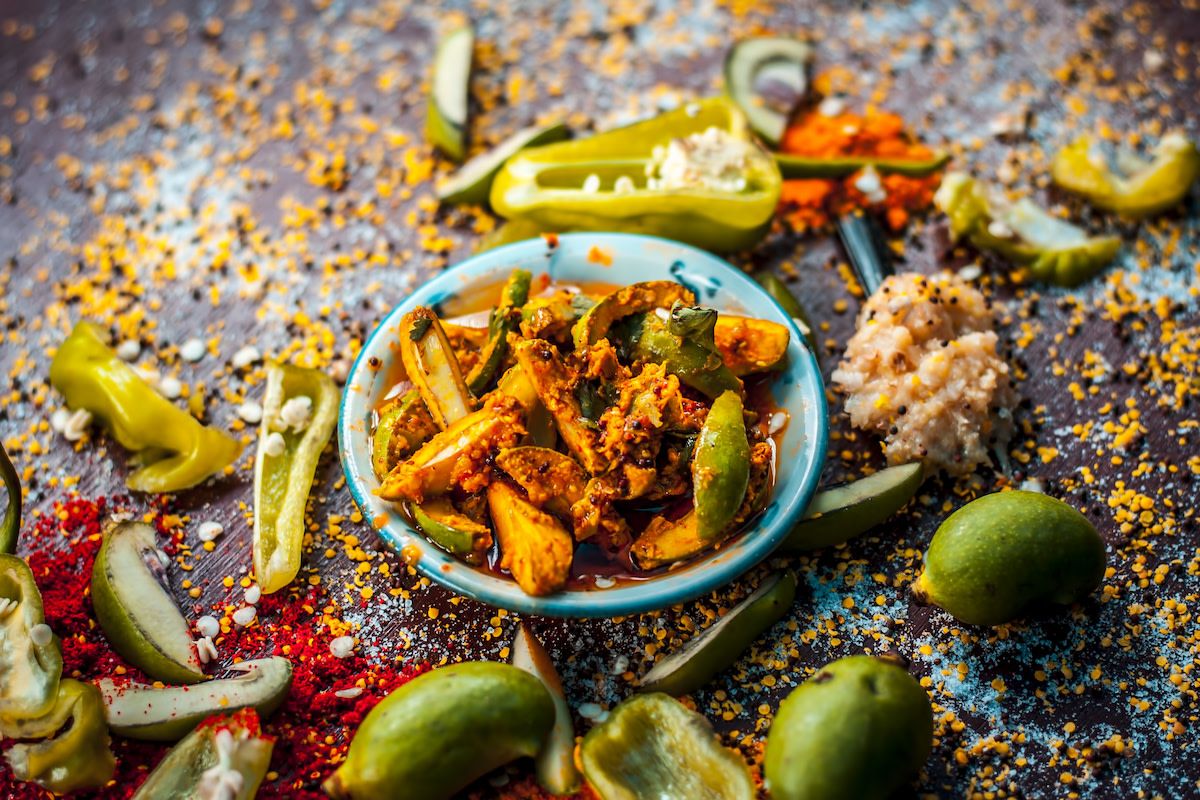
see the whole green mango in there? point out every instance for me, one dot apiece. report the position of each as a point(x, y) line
point(442, 730)
point(860, 728)
point(1006, 554)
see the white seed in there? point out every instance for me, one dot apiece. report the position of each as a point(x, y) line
point(7, 604)
point(129, 350)
point(591, 184)
point(206, 650)
point(193, 350)
point(623, 185)
point(590, 710)
point(208, 626)
point(253, 594)
point(296, 412)
point(41, 635)
point(209, 531)
point(58, 420)
point(170, 387)
point(605, 583)
point(244, 616)
point(342, 647)
point(349, 694)
point(274, 445)
point(77, 425)
point(245, 357)
point(620, 665)
point(778, 420)
point(250, 412)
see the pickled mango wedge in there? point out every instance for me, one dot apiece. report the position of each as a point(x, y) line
point(750, 345)
point(653, 746)
point(552, 480)
point(593, 326)
point(433, 368)
point(535, 547)
point(720, 466)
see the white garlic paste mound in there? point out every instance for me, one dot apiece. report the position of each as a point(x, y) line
point(923, 371)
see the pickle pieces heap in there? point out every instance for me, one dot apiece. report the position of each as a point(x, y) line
point(618, 420)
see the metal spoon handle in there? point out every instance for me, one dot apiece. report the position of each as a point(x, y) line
point(867, 254)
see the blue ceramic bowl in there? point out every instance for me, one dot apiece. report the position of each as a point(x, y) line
point(798, 390)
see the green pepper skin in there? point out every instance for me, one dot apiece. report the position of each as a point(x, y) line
point(282, 482)
point(861, 727)
point(440, 731)
point(653, 746)
point(1055, 251)
point(721, 466)
point(90, 376)
point(504, 319)
point(1149, 190)
point(29, 674)
point(718, 647)
point(404, 425)
point(694, 358)
point(10, 526)
point(802, 167)
point(80, 758)
point(543, 185)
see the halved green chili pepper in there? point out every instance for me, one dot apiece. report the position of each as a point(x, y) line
point(800, 167)
point(181, 452)
point(686, 346)
point(10, 527)
point(1055, 251)
point(723, 202)
point(30, 659)
point(291, 438)
point(78, 758)
point(225, 753)
point(1148, 187)
point(721, 466)
point(504, 319)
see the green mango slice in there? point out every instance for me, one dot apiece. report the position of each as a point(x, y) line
point(1006, 554)
point(710, 652)
point(861, 727)
point(653, 746)
point(554, 764)
point(452, 530)
point(638, 297)
point(534, 546)
point(440, 731)
point(720, 466)
point(431, 365)
point(404, 425)
point(842, 512)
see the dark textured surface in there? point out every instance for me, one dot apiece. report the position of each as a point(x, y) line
point(131, 138)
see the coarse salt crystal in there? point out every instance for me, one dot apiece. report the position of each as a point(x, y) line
point(149, 375)
point(250, 411)
point(129, 350)
point(253, 594)
point(208, 626)
point(620, 665)
point(870, 185)
point(342, 647)
point(209, 531)
point(971, 272)
point(193, 350)
point(274, 445)
point(349, 694)
point(245, 357)
point(244, 616)
point(170, 387)
point(339, 370)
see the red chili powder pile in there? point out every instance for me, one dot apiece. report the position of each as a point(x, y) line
point(312, 729)
point(813, 203)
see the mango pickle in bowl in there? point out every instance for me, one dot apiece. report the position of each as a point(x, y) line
point(532, 428)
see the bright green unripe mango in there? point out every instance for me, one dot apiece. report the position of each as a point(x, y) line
point(860, 728)
point(1004, 555)
point(442, 730)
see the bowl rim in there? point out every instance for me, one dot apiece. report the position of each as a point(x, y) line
point(629, 597)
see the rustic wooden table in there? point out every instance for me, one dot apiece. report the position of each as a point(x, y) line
point(255, 173)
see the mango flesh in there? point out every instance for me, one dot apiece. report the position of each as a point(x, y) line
point(860, 728)
point(440, 731)
point(1004, 555)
